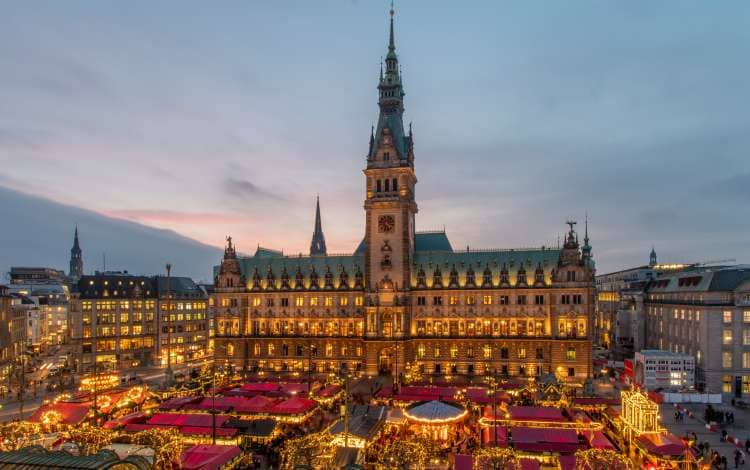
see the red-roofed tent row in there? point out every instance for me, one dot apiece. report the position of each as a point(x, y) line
point(208, 457)
point(70, 413)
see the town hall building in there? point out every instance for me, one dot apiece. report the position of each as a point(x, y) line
point(406, 297)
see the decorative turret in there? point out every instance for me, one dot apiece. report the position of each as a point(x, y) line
point(76, 258)
point(230, 274)
point(328, 279)
point(421, 278)
point(343, 279)
point(471, 280)
point(487, 277)
point(539, 276)
point(652, 257)
point(437, 278)
point(504, 281)
point(318, 243)
point(521, 277)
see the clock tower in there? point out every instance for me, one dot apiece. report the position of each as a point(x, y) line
point(390, 205)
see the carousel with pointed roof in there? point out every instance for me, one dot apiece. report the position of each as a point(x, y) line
point(434, 419)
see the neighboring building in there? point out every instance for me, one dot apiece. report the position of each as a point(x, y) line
point(25, 275)
point(113, 319)
point(187, 327)
point(48, 289)
point(655, 369)
point(7, 352)
point(406, 296)
point(704, 312)
point(76, 259)
point(620, 320)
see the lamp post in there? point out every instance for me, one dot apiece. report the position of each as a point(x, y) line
point(169, 374)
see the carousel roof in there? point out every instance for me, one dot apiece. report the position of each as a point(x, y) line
point(435, 412)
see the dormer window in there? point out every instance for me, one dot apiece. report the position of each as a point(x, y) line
point(386, 156)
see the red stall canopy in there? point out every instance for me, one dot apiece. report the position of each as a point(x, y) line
point(294, 406)
point(206, 457)
point(257, 404)
point(70, 413)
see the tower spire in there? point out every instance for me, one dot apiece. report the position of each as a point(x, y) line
point(318, 243)
point(392, 41)
point(75, 270)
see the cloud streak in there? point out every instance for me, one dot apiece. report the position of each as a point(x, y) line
point(156, 216)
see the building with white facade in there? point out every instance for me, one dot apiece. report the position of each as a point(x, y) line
point(656, 369)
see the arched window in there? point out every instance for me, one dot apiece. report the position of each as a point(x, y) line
point(387, 185)
point(395, 184)
point(378, 186)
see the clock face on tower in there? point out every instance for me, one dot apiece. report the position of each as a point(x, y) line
point(386, 223)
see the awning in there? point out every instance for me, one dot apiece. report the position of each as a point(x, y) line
point(598, 440)
point(208, 457)
point(256, 404)
point(294, 406)
point(663, 444)
point(69, 413)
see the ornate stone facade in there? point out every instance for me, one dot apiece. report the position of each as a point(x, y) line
point(405, 296)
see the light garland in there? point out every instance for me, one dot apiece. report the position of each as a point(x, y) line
point(51, 418)
point(90, 440)
point(496, 457)
point(93, 383)
point(306, 450)
point(602, 458)
point(409, 453)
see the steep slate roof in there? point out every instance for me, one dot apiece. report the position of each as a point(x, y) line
point(180, 287)
point(702, 279)
point(433, 250)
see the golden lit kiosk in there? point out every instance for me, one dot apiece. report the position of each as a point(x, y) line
point(434, 418)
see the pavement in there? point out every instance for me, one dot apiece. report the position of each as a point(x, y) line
point(740, 428)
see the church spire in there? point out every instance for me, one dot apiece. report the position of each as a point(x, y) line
point(652, 257)
point(318, 243)
point(76, 258)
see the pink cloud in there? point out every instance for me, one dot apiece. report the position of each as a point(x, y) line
point(171, 217)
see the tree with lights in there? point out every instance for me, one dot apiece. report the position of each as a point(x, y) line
point(304, 451)
point(89, 440)
point(167, 445)
point(591, 459)
point(498, 458)
point(18, 434)
point(405, 453)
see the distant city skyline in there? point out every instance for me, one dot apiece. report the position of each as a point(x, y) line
point(229, 120)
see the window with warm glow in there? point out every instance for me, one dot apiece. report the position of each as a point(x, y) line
point(344, 301)
point(727, 336)
point(727, 316)
point(487, 351)
point(359, 301)
point(726, 360)
point(487, 300)
point(453, 300)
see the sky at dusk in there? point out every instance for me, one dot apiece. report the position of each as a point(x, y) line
point(217, 118)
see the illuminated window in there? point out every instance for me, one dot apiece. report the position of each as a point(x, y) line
point(420, 351)
point(454, 351)
point(470, 300)
point(746, 360)
point(359, 301)
point(436, 351)
point(727, 336)
point(570, 354)
point(522, 353)
point(487, 351)
point(746, 384)
point(328, 301)
point(726, 359)
point(697, 315)
point(271, 348)
point(726, 384)
point(230, 349)
point(329, 349)
point(313, 301)
point(727, 316)
point(487, 300)
point(453, 300)
point(137, 329)
point(344, 301)
point(256, 301)
point(299, 301)
point(746, 316)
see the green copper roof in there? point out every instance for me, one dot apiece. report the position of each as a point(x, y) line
point(424, 241)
